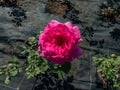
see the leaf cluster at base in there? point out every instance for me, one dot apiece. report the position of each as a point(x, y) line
point(34, 64)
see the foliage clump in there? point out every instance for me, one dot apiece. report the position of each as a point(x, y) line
point(109, 69)
point(109, 13)
point(34, 64)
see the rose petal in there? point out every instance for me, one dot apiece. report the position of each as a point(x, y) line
point(69, 25)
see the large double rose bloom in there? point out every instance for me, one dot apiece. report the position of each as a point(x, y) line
point(59, 42)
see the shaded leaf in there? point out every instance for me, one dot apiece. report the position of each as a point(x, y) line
point(66, 67)
point(7, 80)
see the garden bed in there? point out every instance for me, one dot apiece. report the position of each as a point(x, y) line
point(31, 18)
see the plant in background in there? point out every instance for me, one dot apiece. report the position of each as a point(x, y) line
point(53, 50)
point(11, 69)
point(108, 69)
point(9, 3)
point(57, 7)
point(109, 13)
point(64, 8)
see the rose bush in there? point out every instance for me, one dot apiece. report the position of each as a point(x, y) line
point(59, 42)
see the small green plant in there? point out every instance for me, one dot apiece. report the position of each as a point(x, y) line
point(11, 69)
point(34, 64)
point(109, 67)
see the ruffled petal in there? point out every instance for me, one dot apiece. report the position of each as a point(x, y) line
point(69, 25)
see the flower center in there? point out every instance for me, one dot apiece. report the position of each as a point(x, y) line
point(59, 40)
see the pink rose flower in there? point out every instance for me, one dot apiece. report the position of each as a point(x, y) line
point(59, 42)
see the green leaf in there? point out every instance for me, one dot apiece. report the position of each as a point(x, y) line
point(37, 70)
point(13, 58)
point(1, 72)
point(7, 80)
point(51, 66)
point(66, 67)
point(13, 73)
point(61, 75)
point(44, 67)
point(56, 66)
point(20, 69)
point(29, 75)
